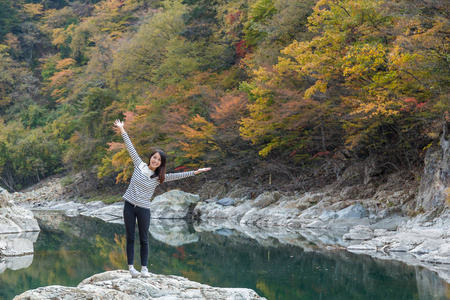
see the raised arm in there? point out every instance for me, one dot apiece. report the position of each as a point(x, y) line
point(177, 176)
point(198, 171)
point(181, 175)
point(134, 156)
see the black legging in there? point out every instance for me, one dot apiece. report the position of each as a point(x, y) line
point(130, 214)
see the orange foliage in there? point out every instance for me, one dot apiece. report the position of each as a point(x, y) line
point(65, 63)
point(61, 78)
point(199, 134)
point(198, 129)
point(113, 146)
point(229, 110)
point(175, 116)
point(123, 163)
point(129, 116)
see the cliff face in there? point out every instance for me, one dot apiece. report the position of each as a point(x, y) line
point(435, 182)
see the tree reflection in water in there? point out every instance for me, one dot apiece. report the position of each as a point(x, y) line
point(114, 250)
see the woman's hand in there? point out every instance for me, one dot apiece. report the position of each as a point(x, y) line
point(201, 170)
point(119, 124)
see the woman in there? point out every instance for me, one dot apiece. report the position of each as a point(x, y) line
point(145, 178)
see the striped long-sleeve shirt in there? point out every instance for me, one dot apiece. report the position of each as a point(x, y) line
point(142, 186)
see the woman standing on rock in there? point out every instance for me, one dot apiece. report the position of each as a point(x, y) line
point(145, 178)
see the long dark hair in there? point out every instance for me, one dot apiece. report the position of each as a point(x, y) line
point(160, 171)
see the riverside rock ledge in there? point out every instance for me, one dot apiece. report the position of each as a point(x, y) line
point(119, 285)
point(18, 229)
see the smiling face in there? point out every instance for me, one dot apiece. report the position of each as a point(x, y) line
point(155, 161)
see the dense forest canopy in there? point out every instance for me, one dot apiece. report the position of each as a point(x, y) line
point(293, 87)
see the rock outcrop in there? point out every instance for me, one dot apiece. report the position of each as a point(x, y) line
point(119, 285)
point(18, 231)
point(435, 181)
point(172, 205)
point(13, 218)
point(17, 226)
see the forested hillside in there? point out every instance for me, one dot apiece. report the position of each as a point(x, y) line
point(272, 91)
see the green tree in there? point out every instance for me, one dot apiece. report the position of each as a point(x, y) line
point(137, 59)
point(28, 156)
point(8, 18)
point(260, 12)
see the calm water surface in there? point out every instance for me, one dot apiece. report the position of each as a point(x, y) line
point(68, 250)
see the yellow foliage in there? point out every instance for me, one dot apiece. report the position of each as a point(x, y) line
point(124, 164)
point(5, 100)
point(199, 134)
point(376, 106)
point(58, 93)
point(261, 74)
point(60, 35)
point(319, 58)
point(33, 9)
point(319, 86)
point(361, 59)
point(269, 147)
point(253, 129)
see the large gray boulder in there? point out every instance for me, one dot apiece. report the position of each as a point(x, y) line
point(119, 285)
point(172, 205)
point(15, 219)
point(359, 232)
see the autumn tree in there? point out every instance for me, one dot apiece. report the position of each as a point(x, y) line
point(358, 84)
point(244, 85)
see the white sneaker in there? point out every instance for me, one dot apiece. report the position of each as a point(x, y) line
point(134, 273)
point(144, 272)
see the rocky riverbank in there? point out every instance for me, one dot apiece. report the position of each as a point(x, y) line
point(326, 219)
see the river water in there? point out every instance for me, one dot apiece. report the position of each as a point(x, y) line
point(68, 250)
